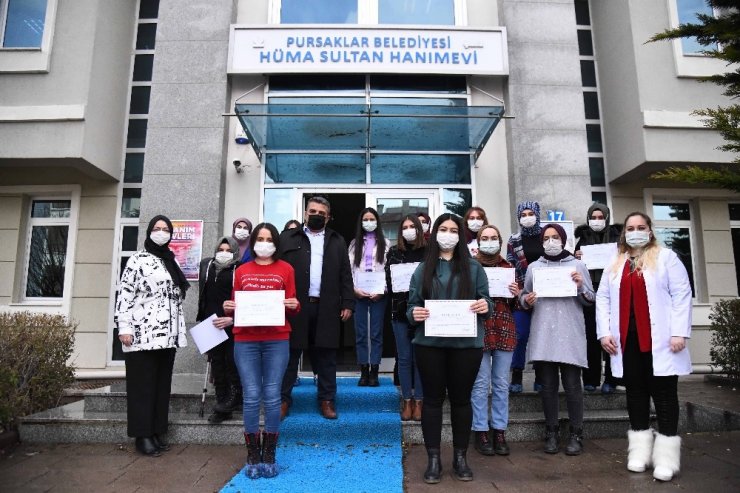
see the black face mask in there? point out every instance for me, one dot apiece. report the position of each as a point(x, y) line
point(315, 222)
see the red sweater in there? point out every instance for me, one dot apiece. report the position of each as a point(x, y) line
point(255, 277)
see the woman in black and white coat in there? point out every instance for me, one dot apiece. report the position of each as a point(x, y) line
point(151, 326)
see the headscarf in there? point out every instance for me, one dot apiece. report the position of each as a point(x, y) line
point(563, 236)
point(535, 207)
point(603, 235)
point(244, 244)
point(164, 252)
point(234, 246)
point(485, 259)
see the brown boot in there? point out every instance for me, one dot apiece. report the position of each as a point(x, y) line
point(407, 410)
point(416, 415)
point(284, 407)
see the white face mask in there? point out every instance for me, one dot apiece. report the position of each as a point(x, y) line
point(241, 234)
point(528, 221)
point(637, 239)
point(475, 225)
point(369, 226)
point(447, 241)
point(160, 237)
point(409, 234)
point(425, 227)
point(553, 247)
point(597, 224)
point(224, 257)
point(264, 249)
point(491, 247)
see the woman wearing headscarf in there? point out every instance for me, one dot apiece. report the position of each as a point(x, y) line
point(240, 231)
point(522, 249)
point(557, 341)
point(151, 326)
point(216, 282)
point(596, 231)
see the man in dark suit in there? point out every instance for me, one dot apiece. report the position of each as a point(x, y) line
point(326, 292)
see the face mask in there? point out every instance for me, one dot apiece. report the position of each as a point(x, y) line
point(409, 234)
point(553, 247)
point(637, 239)
point(425, 227)
point(597, 224)
point(528, 221)
point(224, 257)
point(264, 249)
point(475, 225)
point(160, 237)
point(316, 222)
point(491, 247)
point(447, 241)
point(241, 234)
point(369, 226)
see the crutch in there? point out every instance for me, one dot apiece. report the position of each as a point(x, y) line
point(205, 388)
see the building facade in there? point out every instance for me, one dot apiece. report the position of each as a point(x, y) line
point(114, 111)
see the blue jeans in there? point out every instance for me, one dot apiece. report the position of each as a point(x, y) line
point(261, 367)
point(494, 370)
point(522, 320)
point(407, 363)
point(369, 352)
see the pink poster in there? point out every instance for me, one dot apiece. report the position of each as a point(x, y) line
point(187, 244)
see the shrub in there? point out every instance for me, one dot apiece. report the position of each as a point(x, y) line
point(725, 350)
point(34, 370)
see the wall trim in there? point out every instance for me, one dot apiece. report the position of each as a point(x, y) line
point(50, 113)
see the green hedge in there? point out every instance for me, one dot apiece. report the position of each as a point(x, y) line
point(34, 363)
point(725, 350)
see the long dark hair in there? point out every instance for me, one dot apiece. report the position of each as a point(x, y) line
point(360, 237)
point(460, 263)
point(275, 239)
point(419, 242)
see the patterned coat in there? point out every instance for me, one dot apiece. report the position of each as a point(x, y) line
point(149, 305)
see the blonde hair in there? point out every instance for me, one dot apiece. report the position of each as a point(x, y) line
point(648, 260)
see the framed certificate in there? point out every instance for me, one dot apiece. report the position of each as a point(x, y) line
point(598, 256)
point(259, 308)
point(554, 282)
point(371, 282)
point(499, 279)
point(450, 318)
point(401, 276)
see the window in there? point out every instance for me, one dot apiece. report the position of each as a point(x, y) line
point(672, 226)
point(318, 12)
point(687, 14)
point(47, 244)
point(367, 12)
point(429, 12)
point(22, 23)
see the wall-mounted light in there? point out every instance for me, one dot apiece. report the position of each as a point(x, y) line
point(240, 137)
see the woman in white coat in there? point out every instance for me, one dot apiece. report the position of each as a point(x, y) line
point(643, 314)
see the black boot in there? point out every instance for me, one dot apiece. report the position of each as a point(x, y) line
point(146, 446)
point(364, 376)
point(575, 445)
point(500, 447)
point(483, 443)
point(460, 465)
point(373, 379)
point(269, 444)
point(232, 402)
point(216, 418)
point(160, 442)
point(552, 439)
point(434, 467)
point(254, 455)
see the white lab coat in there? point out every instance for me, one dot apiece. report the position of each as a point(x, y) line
point(670, 304)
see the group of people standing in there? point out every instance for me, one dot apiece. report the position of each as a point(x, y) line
point(637, 311)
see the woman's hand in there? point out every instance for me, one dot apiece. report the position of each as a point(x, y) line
point(126, 339)
point(229, 306)
point(577, 278)
point(223, 322)
point(479, 306)
point(678, 344)
point(375, 297)
point(420, 313)
point(290, 303)
point(514, 289)
point(361, 294)
point(531, 298)
point(609, 345)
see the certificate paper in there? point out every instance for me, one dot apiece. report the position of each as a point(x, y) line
point(598, 256)
point(207, 336)
point(259, 308)
point(554, 282)
point(401, 276)
point(450, 318)
point(499, 279)
point(371, 282)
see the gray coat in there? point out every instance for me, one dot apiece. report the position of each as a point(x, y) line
point(558, 330)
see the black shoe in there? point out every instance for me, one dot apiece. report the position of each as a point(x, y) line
point(218, 418)
point(575, 445)
point(500, 447)
point(460, 466)
point(161, 443)
point(373, 378)
point(232, 402)
point(146, 446)
point(483, 444)
point(552, 439)
point(434, 467)
point(364, 376)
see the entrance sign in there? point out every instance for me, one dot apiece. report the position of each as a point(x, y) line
point(271, 49)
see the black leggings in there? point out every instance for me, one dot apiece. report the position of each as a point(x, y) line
point(571, 377)
point(641, 385)
point(447, 371)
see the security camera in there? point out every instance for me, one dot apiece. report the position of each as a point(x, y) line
point(237, 165)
